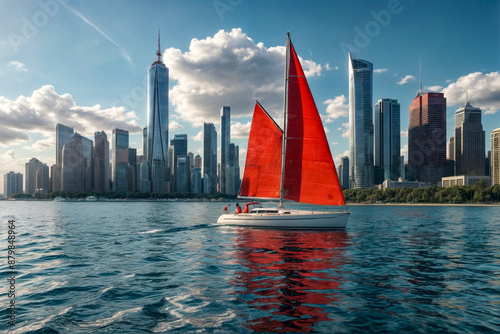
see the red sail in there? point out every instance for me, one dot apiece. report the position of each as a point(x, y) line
point(262, 174)
point(310, 175)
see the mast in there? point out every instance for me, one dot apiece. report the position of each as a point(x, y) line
point(285, 119)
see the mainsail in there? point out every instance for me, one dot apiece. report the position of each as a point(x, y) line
point(309, 170)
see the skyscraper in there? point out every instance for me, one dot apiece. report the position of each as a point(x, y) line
point(42, 181)
point(63, 133)
point(427, 138)
point(157, 129)
point(209, 158)
point(12, 184)
point(233, 170)
point(73, 165)
point(101, 162)
point(387, 149)
point(180, 144)
point(120, 160)
point(469, 146)
point(495, 157)
point(360, 123)
point(343, 173)
point(31, 168)
point(225, 139)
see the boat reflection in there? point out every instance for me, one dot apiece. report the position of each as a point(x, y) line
point(291, 277)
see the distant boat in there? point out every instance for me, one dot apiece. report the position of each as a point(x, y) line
point(91, 198)
point(290, 164)
point(59, 199)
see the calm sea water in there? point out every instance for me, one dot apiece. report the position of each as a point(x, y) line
point(143, 267)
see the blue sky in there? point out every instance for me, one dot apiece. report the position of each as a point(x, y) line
point(84, 63)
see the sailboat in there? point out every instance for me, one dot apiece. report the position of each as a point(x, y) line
point(293, 163)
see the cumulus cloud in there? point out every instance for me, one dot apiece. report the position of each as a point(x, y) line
point(404, 152)
point(483, 90)
point(380, 70)
point(436, 88)
point(345, 130)
point(198, 136)
point(42, 144)
point(228, 69)
point(18, 66)
point(239, 130)
point(406, 79)
point(174, 126)
point(404, 133)
point(337, 107)
point(41, 111)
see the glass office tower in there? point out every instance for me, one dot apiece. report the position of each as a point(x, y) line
point(360, 123)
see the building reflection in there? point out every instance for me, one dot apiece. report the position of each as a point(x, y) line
point(291, 277)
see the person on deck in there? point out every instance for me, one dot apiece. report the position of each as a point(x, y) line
point(238, 208)
point(245, 210)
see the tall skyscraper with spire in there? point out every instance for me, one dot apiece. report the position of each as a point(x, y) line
point(427, 137)
point(360, 123)
point(157, 129)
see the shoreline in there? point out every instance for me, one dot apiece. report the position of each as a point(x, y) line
point(424, 204)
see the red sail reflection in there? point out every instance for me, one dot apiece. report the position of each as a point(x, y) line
point(291, 276)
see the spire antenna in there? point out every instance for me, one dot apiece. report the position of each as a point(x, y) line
point(420, 86)
point(158, 52)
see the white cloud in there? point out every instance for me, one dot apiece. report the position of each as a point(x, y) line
point(239, 130)
point(483, 91)
point(345, 129)
point(43, 144)
point(406, 79)
point(41, 111)
point(18, 66)
point(198, 136)
point(436, 88)
point(380, 70)
point(404, 152)
point(329, 68)
point(404, 133)
point(9, 161)
point(336, 108)
point(174, 126)
point(227, 69)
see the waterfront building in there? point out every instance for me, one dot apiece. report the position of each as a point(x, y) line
point(495, 157)
point(63, 133)
point(182, 177)
point(120, 163)
point(132, 170)
point(343, 172)
point(179, 144)
point(225, 139)
point(360, 123)
point(387, 149)
point(427, 138)
point(31, 168)
point(464, 180)
point(12, 184)
point(209, 158)
point(101, 162)
point(42, 181)
point(157, 128)
point(469, 141)
point(196, 180)
point(197, 161)
point(73, 165)
point(232, 170)
point(389, 184)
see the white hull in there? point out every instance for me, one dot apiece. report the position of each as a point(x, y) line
point(287, 219)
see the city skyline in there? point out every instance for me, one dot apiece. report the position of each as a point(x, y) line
point(109, 49)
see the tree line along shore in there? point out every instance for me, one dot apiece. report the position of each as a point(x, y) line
point(476, 194)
